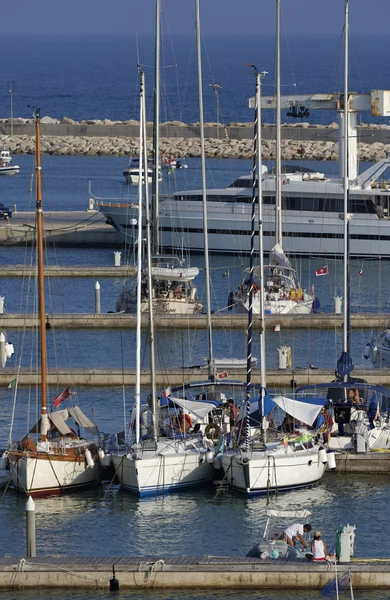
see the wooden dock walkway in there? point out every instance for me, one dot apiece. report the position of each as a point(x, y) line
point(116, 377)
point(227, 320)
point(206, 572)
point(21, 271)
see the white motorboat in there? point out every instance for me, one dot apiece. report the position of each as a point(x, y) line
point(131, 174)
point(5, 157)
point(5, 164)
point(51, 458)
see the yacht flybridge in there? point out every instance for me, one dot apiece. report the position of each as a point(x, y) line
point(312, 202)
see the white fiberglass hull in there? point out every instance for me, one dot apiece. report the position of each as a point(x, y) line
point(161, 473)
point(8, 170)
point(275, 307)
point(262, 472)
point(172, 306)
point(49, 475)
point(305, 233)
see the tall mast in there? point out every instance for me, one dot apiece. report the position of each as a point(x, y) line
point(149, 263)
point(278, 181)
point(41, 277)
point(210, 361)
point(255, 183)
point(156, 134)
point(137, 394)
point(347, 328)
point(263, 381)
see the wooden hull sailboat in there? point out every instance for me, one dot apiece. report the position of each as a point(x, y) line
point(52, 457)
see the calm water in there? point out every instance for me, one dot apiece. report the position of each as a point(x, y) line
point(96, 77)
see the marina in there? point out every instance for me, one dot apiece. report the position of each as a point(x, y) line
point(211, 422)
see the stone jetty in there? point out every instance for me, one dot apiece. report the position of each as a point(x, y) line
point(234, 140)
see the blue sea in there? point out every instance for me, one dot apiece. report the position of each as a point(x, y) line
point(89, 77)
point(96, 78)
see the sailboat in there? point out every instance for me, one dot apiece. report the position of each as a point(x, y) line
point(257, 467)
point(57, 459)
point(360, 410)
point(173, 288)
point(151, 463)
point(282, 290)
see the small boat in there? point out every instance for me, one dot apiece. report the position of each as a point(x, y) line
point(378, 349)
point(5, 164)
point(5, 157)
point(131, 174)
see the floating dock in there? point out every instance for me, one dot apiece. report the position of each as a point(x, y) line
point(226, 320)
point(17, 271)
point(206, 572)
point(64, 228)
point(176, 376)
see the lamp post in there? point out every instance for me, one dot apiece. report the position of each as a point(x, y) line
point(217, 90)
point(10, 88)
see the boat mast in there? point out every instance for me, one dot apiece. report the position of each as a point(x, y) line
point(278, 175)
point(41, 277)
point(149, 263)
point(255, 184)
point(210, 360)
point(137, 394)
point(156, 134)
point(263, 381)
point(347, 328)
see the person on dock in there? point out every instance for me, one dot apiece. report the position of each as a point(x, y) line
point(294, 533)
point(318, 547)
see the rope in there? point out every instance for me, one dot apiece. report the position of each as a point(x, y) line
point(148, 574)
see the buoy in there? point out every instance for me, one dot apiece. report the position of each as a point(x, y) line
point(88, 457)
point(114, 583)
point(3, 461)
point(210, 457)
point(322, 456)
point(101, 456)
point(107, 460)
point(331, 457)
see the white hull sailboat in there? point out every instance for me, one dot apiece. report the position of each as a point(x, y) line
point(57, 459)
point(256, 467)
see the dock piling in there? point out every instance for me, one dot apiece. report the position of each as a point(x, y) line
point(31, 551)
point(97, 298)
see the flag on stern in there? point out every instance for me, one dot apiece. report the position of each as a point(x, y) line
point(226, 274)
point(222, 375)
point(322, 271)
point(167, 392)
point(61, 397)
point(361, 272)
point(12, 384)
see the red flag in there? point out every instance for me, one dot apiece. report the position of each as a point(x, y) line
point(322, 271)
point(222, 375)
point(61, 397)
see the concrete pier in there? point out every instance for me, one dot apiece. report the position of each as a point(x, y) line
point(176, 376)
point(65, 228)
point(206, 572)
point(15, 271)
point(226, 320)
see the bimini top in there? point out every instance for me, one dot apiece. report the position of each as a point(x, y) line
point(289, 514)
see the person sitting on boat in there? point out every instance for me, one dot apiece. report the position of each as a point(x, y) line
point(294, 533)
point(185, 421)
point(351, 395)
point(318, 547)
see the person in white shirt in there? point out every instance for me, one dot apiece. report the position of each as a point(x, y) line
point(295, 532)
point(318, 547)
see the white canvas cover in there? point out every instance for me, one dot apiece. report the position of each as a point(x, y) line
point(278, 256)
point(58, 421)
point(288, 514)
point(82, 420)
point(199, 409)
point(302, 411)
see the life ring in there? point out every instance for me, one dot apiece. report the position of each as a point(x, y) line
point(212, 431)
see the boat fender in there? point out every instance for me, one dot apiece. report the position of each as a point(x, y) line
point(210, 457)
point(322, 456)
point(217, 463)
point(88, 457)
point(107, 460)
point(4, 461)
point(367, 350)
point(331, 457)
point(101, 456)
point(374, 354)
point(230, 301)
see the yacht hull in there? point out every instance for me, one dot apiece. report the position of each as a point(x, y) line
point(277, 307)
point(162, 473)
point(43, 475)
point(265, 472)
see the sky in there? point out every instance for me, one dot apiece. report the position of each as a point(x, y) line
point(222, 17)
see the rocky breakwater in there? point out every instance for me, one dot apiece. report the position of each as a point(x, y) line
point(301, 146)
